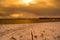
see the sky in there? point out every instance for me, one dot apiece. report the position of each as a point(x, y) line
point(29, 9)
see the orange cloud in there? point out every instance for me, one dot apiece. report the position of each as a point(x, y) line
point(9, 8)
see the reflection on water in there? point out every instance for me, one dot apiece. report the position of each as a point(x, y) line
point(22, 21)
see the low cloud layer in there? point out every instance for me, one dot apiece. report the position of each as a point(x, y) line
point(49, 8)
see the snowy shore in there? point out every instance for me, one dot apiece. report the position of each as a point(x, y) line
point(33, 31)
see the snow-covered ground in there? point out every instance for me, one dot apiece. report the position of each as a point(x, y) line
point(33, 31)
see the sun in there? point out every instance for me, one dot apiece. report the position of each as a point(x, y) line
point(27, 1)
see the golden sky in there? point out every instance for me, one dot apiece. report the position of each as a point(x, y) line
point(29, 8)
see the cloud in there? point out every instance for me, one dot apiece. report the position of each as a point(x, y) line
point(56, 3)
point(46, 8)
